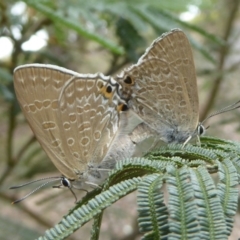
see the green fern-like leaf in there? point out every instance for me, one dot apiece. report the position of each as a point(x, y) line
point(209, 210)
point(152, 210)
point(182, 208)
point(178, 196)
point(227, 191)
point(83, 214)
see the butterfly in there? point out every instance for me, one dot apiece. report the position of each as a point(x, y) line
point(80, 121)
point(162, 90)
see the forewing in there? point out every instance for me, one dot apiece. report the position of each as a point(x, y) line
point(162, 87)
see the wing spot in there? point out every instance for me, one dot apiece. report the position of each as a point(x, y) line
point(92, 113)
point(72, 117)
point(141, 91)
point(26, 108)
point(90, 84)
point(70, 99)
point(162, 84)
point(76, 155)
point(84, 126)
point(186, 61)
point(100, 84)
point(122, 107)
point(165, 70)
point(183, 117)
point(32, 108)
point(66, 126)
point(62, 154)
point(100, 109)
point(54, 105)
point(46, 103)
point(167, 107)
point(128, 80)
point(38, 104)
point(178, 62)
point(80, 110)
point(171, 86)
point(87, 107)
point(79, 86)
point(150, 88)
point(70, 141)
point(182, 103)
point(97, 135)
point(179, 89)
point(85, 141)
point(48, 125)
point(109, 89)
point(56, 143)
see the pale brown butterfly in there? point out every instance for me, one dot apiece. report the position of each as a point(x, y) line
point(79, 120)
point(162, 89)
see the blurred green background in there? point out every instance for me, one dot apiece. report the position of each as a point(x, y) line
point(105, 36)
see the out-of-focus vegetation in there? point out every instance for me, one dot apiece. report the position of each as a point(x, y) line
point(90, 36)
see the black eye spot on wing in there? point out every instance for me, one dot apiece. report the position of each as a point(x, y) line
point(109, 89)
point(128, 80)
point(122, 107)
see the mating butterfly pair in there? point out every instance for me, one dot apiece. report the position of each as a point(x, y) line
point(85, 123)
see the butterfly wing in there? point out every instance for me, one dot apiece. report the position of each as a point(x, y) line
point(161, 88)
point(75, 117)
point(91, 120)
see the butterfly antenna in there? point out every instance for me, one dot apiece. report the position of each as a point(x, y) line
point(38, 180)
point(225, 109)
point(21, 199)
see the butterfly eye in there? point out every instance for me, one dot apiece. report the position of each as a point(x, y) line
point(201, 129)
point(65, 182)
